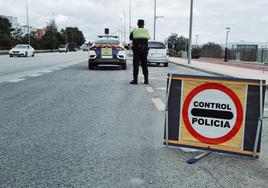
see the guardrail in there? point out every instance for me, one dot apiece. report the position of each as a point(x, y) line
point(5, 52)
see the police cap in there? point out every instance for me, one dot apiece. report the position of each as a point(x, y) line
point(140, 22)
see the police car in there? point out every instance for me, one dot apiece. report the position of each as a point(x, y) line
point(107, 50)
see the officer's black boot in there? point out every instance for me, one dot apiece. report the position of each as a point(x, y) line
point(135, 80)
point(146, 80)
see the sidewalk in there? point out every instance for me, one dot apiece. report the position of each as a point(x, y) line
point(221, 68)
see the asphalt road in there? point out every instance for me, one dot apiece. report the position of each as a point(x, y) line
point(62, 125)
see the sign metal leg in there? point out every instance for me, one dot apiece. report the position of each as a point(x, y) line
point(257, 137)
point(198, 157)
point(166, 109)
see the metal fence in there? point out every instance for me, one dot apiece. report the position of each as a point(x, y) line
point(239, 54)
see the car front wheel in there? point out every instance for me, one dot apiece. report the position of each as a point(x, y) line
point(91, 66)
point(165, 64)
point(33, 54)
point(10, 55)
point(26, 54)
point(124, 67)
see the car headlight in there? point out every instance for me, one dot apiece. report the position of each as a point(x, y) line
point(92, 54)
point(121, 55)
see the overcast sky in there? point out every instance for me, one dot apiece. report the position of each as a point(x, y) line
point(248, 19)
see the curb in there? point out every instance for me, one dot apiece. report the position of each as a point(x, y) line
point(209, 72)
point(202, 70)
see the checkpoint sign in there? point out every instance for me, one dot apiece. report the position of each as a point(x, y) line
point(212, 113)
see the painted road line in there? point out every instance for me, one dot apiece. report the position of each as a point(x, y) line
point(161, 88)
point(159, 78)
point(158, 103)
point(46, 71)
point(35, 75)
point(149, 89)
point(55, 68)
point(16, 80)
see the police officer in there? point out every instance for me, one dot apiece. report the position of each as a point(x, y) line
point(140, 37)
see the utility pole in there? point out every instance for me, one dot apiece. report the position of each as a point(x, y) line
point(190, 34)
point(226, 44)
point(66, 36)
point(154, 17)
point(124, 15)
point(28, 27)
point(196, 39)
point(129, 17)
point(121, 30)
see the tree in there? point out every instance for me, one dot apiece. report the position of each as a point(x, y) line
point(211, 49)
point(176, 43)
point(171, 40)
point(50, 40)
point(181, 43)
point(5, 34)
point(74, 35)
point(17, 36)
point(35, 43)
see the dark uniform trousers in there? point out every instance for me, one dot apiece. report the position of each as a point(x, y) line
point(140, 53)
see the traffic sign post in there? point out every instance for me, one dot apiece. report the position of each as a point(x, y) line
point(214, 114)
point(166, 108)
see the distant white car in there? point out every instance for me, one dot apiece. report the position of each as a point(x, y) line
point(63, 48)
point(85, 47)
point(158, 53)
point(22, 50)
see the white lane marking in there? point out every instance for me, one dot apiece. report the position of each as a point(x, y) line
point(158, 103)
point(265, 109)
point(149, 89)
point(55, 68)
point(16, 80)
point(161, 88)
point(160, 78)
point(35, 75)
point(46, 71)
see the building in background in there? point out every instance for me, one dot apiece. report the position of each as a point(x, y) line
point(13, 20)
point(16, 26)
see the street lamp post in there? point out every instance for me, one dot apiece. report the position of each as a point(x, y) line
point(129, 17)
point(124, 29)
point(155, 18)
point(28, 27)
point(66, 36)
point(226, 44)
point(190, 34)
point(196, 39)
point(121, 30)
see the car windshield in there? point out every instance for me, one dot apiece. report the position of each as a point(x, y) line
point(21, 46)
point(107, 41)
point(62, 46)
point(157, 45)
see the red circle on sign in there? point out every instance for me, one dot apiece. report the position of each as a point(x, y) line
point(238, 121)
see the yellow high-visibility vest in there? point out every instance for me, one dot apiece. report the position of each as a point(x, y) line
point(141, 33)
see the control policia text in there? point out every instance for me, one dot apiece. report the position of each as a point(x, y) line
point(218, 114)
